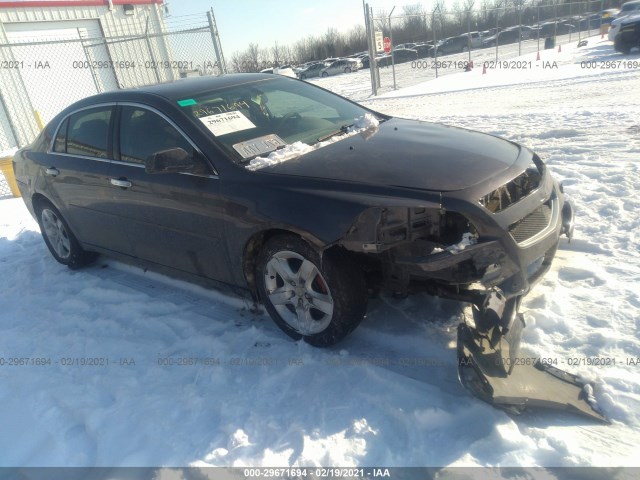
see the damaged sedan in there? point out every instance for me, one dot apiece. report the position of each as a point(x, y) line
point(305, 200)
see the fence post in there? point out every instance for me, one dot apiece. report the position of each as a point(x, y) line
point(215, 38)
point(372, 54)
point(393, 62)
point(435, 51)
point(497, 33)
point(469, 33)
point(90, 62)
point(150, 50)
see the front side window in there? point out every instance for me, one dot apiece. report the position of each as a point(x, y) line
point(87, 133)
point(143, 133)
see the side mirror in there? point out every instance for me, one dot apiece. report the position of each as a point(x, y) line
point(173, 160)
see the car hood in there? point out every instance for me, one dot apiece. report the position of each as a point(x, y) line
point(410, 154)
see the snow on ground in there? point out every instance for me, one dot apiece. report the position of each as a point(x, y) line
point(387, 395)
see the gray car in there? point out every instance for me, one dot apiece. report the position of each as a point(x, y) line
point(344, 65)
point(311, 71)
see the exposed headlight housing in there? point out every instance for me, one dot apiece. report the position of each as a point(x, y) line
point(515, 190)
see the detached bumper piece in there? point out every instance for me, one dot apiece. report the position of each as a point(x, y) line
point(489, 369)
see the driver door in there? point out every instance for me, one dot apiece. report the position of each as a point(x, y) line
point(171, 219)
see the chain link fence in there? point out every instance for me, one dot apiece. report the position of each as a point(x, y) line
point(43, 74)
point(484, 37)
point(5, 191)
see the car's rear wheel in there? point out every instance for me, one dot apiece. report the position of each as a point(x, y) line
point(59, 238)
point(319, 299)
point(325, 74)
point(303, 77)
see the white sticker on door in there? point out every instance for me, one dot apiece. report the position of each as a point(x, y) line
point(228, 122)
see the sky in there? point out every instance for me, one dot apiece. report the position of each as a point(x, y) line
point(241, 22)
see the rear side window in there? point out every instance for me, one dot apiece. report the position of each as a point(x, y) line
point(87, 133)
point(60, 145)
point(143, 133)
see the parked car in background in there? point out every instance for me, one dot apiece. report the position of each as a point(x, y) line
point(404, 45)
point(399, 56)
point(503, 37)
point(476, 39)
point(311, 71)
point(452, 45)
point(550, 29)
point(345, 65)
point(424, 49)
point(627, 8)
point(528, 32)
point(285, 70)
point(628, 35)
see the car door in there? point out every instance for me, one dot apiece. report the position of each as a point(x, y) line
point(76, 171)
point(172, 219)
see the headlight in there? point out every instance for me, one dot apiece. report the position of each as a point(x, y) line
point(515, 190)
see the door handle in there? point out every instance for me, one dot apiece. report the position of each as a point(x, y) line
point(120, 182)
point(53, 171)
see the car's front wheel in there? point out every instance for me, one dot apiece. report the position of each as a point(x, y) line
point(59, 238)
point(324, 74)
point(318, 298)
point(347, 70)
point(620, 46)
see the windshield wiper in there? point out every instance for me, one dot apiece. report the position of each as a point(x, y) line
point(343, 129)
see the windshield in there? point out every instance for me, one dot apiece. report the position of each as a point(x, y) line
point(258, 117)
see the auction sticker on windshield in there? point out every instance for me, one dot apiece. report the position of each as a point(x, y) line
point(258, 146)
point(228, 122)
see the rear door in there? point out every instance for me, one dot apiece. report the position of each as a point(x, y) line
point(76, 172)
point(172, 219)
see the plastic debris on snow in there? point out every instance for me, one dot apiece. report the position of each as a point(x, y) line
point(361, 125)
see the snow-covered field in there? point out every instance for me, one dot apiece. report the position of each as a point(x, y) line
point(389, 394)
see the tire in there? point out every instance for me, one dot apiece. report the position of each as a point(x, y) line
point(318, 299)
point(303, 77)
point(621, 46)
point(325, 74)
point(59, 238)
point(347, 70)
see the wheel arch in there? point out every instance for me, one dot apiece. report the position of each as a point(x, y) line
point(254, 245)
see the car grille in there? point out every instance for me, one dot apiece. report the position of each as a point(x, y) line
point(532, 224)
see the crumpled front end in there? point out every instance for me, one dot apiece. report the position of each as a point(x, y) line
point(487, 249)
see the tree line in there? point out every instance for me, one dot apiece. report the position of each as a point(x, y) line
point(414, 24)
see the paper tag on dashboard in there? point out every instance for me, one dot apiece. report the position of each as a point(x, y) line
point(260, 145)
point(228, 122)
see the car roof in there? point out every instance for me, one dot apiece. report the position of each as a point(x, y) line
point(186, 87)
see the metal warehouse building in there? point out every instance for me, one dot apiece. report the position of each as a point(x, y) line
point(53, 53)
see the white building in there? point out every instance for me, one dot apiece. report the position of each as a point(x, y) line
point(53, 53)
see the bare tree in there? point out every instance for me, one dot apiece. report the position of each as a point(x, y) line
point(253, 58)
point(276, 51)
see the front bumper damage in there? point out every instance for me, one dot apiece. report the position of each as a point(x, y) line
point(491, 367)
point(520, 386)
point(489, 361)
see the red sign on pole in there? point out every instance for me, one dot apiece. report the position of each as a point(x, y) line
point(387, 44)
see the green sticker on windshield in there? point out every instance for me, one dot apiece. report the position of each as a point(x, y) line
point(186, 102)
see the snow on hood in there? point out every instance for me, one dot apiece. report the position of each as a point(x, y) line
point(366, 125)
